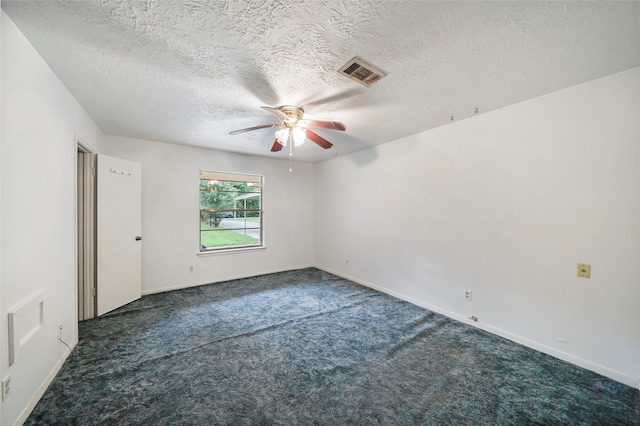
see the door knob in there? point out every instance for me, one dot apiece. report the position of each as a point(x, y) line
point(138, 238)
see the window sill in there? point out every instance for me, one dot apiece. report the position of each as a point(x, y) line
point(230, 251)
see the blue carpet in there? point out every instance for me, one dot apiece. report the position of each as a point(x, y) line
point(308, 348)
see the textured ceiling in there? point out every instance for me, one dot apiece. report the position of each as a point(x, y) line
point(190, 71)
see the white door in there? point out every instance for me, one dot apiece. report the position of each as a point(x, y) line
point(119, 233)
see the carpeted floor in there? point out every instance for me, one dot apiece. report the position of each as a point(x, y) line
point(308, 348)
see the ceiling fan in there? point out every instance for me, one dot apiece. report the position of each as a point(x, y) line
point(294, 129)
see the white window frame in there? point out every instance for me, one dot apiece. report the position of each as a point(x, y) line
point(256, 180)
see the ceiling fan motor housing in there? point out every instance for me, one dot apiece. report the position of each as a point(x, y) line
point(293, 113)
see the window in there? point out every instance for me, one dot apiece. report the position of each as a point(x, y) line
point(230, 211)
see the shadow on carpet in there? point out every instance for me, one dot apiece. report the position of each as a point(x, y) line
point(308, 348)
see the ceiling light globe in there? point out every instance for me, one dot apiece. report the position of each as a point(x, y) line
point(282, 136)
point(299, 135)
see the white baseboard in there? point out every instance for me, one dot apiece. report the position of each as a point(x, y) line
point(43, 387)
point(580, 362)
point(222, 279)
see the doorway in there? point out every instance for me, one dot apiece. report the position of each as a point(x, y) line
point(86, 232)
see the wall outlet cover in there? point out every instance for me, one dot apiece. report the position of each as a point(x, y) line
point(6, 387)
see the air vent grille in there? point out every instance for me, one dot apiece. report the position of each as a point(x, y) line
point(362, 72)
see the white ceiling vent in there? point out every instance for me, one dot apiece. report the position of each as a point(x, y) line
point(362, 72)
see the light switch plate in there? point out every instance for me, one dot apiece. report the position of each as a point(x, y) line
point(584, 270)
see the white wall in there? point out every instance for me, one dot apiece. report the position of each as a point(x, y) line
point(40, 121)
point(170, 214)
point(506, 204)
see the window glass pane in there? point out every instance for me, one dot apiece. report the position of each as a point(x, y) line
point(226, 238)
point(242, 222)
point(230, 210)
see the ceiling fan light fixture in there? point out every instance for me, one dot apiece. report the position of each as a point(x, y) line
point(282, 136)
point(293, 129)
point(299, 135)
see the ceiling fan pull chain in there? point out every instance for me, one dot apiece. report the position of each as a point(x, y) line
point(290, 152)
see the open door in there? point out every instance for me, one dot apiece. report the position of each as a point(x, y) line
point(119, 233)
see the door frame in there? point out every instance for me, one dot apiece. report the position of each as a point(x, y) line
point(86, 231)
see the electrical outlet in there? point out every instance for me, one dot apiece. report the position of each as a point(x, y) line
point(467, 295)
point(584, 270)
point(190, 268)
point(346, 261)
point(6, 387)
point(60, 331)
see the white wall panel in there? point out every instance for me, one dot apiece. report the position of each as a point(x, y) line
point(40, 123)
point(506, 204)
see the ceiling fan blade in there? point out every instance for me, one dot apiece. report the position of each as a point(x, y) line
point(276, 112)
point(317, 100)
point(276, 146)
point(331, 125)
point(248, 129)
point(318, 139)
